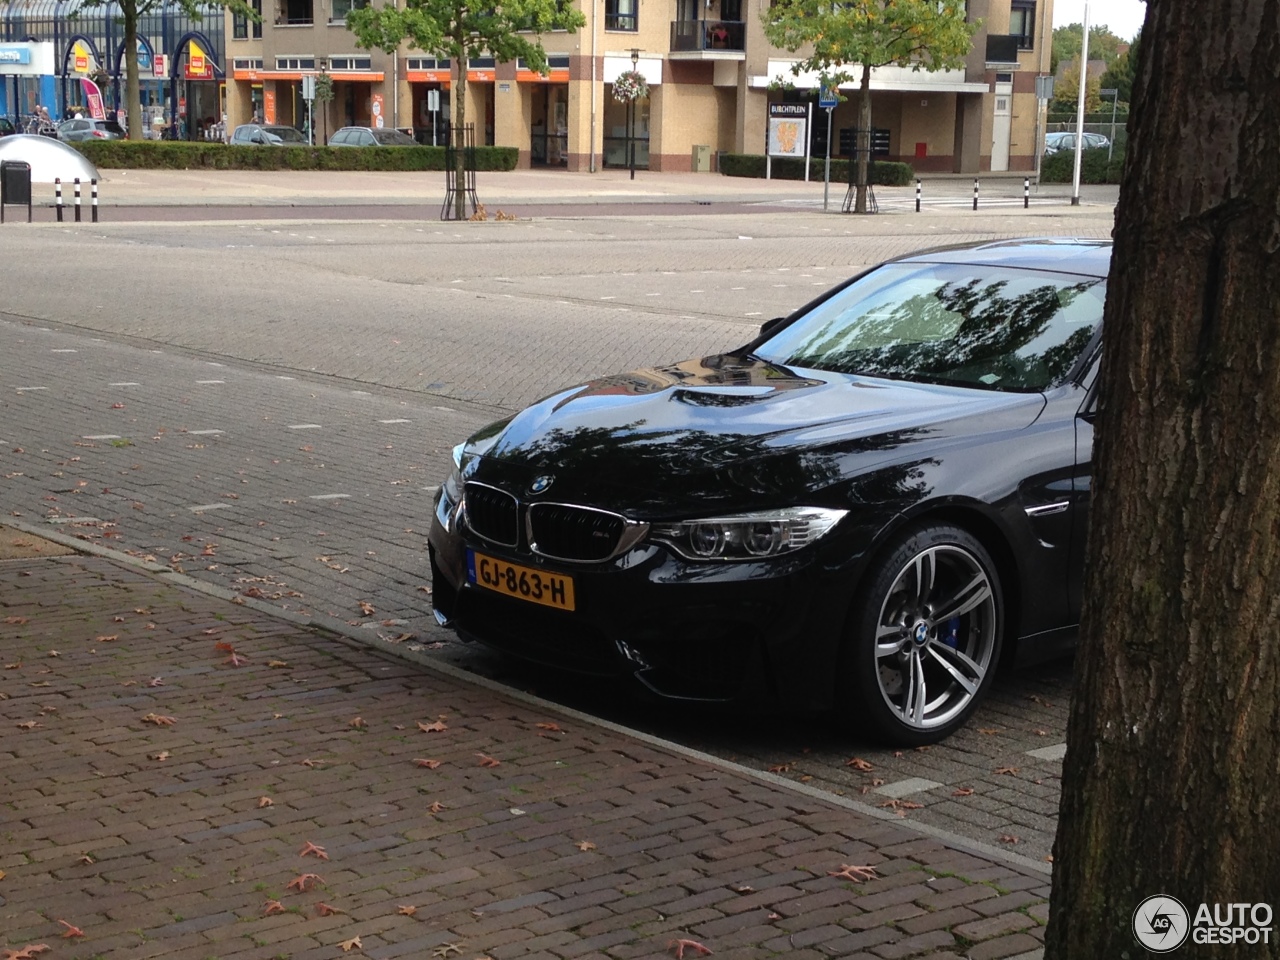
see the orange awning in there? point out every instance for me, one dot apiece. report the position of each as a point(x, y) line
point(532, 76)
point(360, 76)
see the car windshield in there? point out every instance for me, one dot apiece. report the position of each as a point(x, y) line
point(393, 138)
point(288, 134)
point(992, 328)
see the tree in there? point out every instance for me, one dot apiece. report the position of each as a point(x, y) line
point(1066, 92)
point(1103, 44)
point(459, 30)
point(324, 97)
point(921, 34)
point(1170, 779)
point(1119, 75)
point(130, 12)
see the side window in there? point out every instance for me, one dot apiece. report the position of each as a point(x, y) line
point(366, 138)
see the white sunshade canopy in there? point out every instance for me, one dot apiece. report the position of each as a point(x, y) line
point(50, 159)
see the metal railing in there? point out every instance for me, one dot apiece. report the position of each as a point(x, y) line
point(708, 35)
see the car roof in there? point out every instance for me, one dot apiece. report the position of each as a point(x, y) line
point(1061, 254)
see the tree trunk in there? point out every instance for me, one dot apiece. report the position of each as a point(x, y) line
point(132, 89)
point(1171, 774)
point(459, 137)
point(863, 141)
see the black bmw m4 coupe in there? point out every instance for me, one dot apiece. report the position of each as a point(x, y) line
point(863, 510)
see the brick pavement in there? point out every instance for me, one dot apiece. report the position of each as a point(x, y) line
point(175, 839)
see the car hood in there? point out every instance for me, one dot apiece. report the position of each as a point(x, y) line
point(727, 429)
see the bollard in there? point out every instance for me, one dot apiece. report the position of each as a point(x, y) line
point(78, 200)
point(93, 186)
point(975, 193)
point(1026, 193)
point(917, 194)
point(57, 196)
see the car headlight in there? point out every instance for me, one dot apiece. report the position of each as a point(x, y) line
point(747, 536)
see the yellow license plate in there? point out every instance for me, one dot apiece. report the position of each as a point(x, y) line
point(523, 583)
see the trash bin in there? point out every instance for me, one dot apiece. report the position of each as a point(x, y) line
point(15, 185)
point(701, 160)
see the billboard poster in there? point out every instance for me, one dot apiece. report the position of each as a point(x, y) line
point(93, 99)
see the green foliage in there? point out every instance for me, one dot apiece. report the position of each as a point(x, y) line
point(1066, 92)
point(882, 174)
point(1120, 73)
point(181, 155)
point(1094, 167)
point(920, 34)
point(324, 88)
point(1103, 44)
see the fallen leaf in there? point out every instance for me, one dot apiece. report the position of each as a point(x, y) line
point(236, 659)
point(160, 721)
point(1041, 733)
point(406, 910)
point(107, 639)
point(855, 873)
point(16, 620)
point(155, 682)
point(272, 906)
point(859, 764)
point(1009, 838)
point(276, 663)
point(28, 725)
point(780, 768)
point(429, 764)
point(681, 946)
point(446, 949)
point(222, 646)
point(585, 845)
point(553, 727)
point(745, 888)
point(367, 608)
point(71, 931)
point(963, 792)
point(303, 881)
point(162, 755)
point(988, 730)
point(26, 953)
point(774, 916)
point(325, 910)
point(265, 802)
point(346, 945)
point(488, 761)
point(313, 763)
point(436, 726)
point(358, 723)
point(314, 850)
point(435, 807)
point(86, 860)
point(1007, 771)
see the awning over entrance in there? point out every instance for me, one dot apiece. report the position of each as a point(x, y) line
point(256, 76)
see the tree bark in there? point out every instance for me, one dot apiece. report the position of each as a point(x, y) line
point(1173, 760)
point(459, 135)
point(132, 89)
point(864, 140)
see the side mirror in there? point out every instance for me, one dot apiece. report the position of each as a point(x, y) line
point(769, 326)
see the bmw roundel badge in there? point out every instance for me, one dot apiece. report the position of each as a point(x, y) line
point(541, 484)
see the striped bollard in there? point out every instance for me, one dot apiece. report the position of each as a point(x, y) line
point(77, 199)
point(1026, 193)
point(917, 194)
point(975, 193)
point(57, 196)
point(93, 186)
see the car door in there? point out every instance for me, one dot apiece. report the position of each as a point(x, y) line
point(1082, 493)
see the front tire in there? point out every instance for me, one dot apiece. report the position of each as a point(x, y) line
point(924, 636)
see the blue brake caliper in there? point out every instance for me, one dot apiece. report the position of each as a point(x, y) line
point(951, 633)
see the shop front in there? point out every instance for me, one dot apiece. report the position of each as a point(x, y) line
point(548, 111)
point(429, 83)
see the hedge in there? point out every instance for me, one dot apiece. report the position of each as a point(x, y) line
point(1094, 168)
point(883, 173)
point(203, 155)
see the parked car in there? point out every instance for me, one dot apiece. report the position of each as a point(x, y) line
point(371, 137)
point(7, 127)
point(1056, 142)
point(859, 510)
point(267, 134)
point(69, 131)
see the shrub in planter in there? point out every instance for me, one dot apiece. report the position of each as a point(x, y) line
point(197, 155)
point(1094, 167)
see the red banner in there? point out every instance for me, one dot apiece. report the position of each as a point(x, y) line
point(93, 97)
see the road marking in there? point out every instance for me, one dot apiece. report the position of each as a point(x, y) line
point(608, 298)
point(102, 436)
point(282, 377)
point(214, 363)
point(395, 421)
point(63, 350)
point(210, 381)
point(906, 787)
point(330, 496)
point(306, 426)
point(445, 409)
point(124, 383)
point(653, 294)
point(204, 507)
point(203, 433)
point(755, 313)
point(72, 520)
point(1056, 752)
point(697, 291)
point(360, 393)
point(26, 389)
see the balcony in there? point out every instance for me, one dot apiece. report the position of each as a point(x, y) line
point(1002, 50)
point(621, 21)
point(710, 36)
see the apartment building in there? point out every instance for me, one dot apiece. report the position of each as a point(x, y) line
point(709, 69)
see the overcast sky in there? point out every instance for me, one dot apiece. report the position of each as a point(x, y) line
point(1124, 17)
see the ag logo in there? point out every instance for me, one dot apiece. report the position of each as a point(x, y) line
point(541, 484)
point(1161, 923)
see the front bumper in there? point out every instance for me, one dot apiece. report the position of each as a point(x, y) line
point(756, 631)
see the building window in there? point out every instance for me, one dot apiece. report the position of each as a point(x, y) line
point(342, 7)
point(246, 63)
point(555, 61)
point(295, 13)
point(621, 15)
point(1022, 23)
point(481, 63)
point(429, 63)
point(257, 24)
point(295, 63)
point(239, 27)
point(350, 63)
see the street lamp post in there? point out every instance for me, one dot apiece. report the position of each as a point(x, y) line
point(631, 118)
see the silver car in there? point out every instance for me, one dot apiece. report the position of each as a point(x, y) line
point(370, 137)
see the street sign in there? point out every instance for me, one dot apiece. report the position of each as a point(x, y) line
point(433, 101)
point(308, 86)
point(827, 96)
point(1044, 87)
